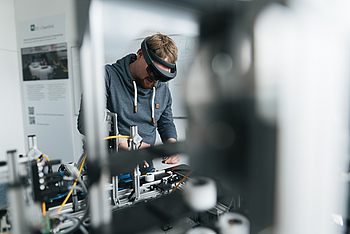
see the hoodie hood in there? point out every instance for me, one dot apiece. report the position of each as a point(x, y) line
point(124, 63)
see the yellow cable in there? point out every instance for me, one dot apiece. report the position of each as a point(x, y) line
point(182, 180)
point(43, 156)
point(115, 137)
point(82, 164)
point(43, 207)
point(46, 157)
point(71, 190)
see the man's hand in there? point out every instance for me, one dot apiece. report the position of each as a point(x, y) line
point(171, 140)
point(174, 159)
point(123, 144)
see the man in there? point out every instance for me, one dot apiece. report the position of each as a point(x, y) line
point(137, 92)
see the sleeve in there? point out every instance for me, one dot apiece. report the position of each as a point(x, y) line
point(108, 86)
point(166, 126)
point(80, 120)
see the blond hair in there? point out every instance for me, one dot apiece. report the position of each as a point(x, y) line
point(163, 46)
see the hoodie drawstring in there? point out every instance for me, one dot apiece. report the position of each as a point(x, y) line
point(135, 96)
point(153, 119)
point(153, 98)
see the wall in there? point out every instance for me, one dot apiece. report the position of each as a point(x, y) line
point(11, 120)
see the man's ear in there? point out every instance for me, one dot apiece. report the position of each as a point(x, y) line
point(139, 53)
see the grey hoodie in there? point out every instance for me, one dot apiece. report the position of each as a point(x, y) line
point(120, 95)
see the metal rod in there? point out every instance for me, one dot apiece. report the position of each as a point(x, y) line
point(137, 182)
point(133, 146)
point(133, 134)
point(115, 194)
point(94, 106)
point(32, 142)
point(116, 131)
point(16, 195)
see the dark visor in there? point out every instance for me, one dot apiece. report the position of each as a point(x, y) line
point(157, 73)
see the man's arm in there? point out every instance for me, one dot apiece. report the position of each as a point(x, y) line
point(173, 159)
point(123, 144)
point(80, 120)
point(167, 131)
point(166, 126)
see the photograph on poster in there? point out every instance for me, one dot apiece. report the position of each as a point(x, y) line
point(46, 62)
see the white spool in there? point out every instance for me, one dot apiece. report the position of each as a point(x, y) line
point(233, 223)
point(149, 177)
point(200, 230)
point(200, 193)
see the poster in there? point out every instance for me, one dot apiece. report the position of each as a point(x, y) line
point(46, 86)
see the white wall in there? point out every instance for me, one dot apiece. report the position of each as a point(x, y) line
point(11, 118)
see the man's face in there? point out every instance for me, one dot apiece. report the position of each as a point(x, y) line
point(144, 79)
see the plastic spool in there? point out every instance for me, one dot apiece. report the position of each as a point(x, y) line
point(233, 223)
point(200, 230)
point(149, 177)
point(200, 193)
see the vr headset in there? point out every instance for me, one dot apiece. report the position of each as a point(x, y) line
point(153, 70)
